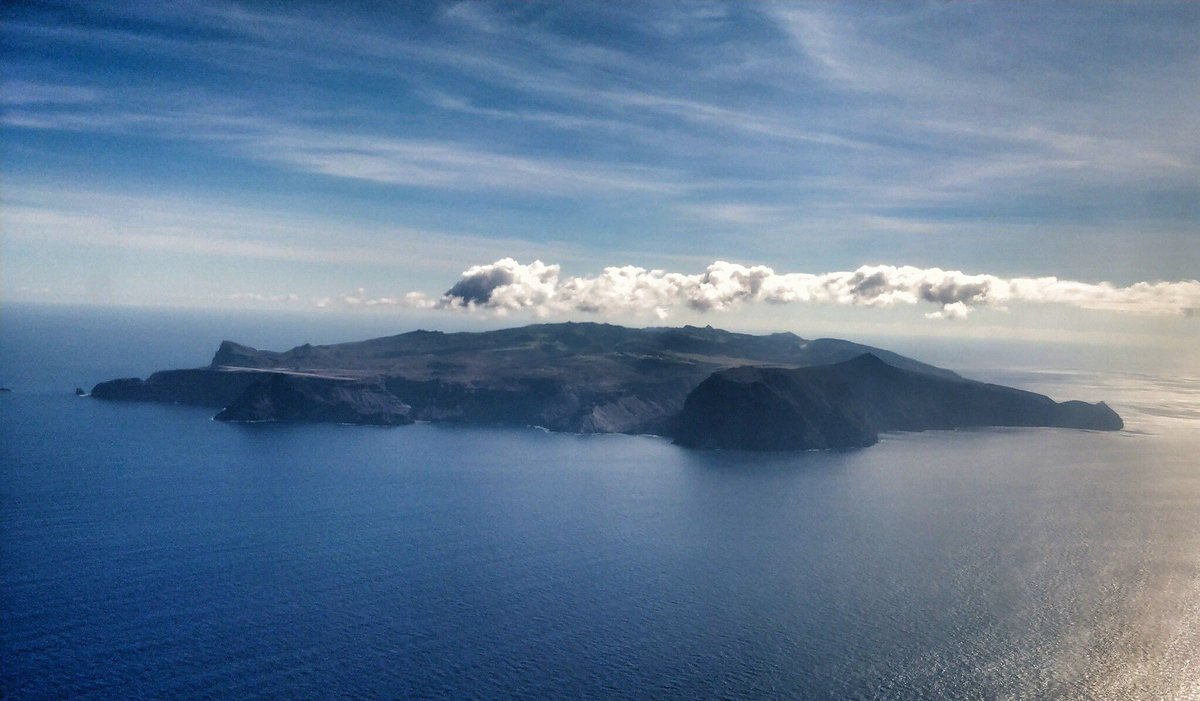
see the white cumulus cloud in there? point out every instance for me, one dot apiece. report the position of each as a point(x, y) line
point(509, 286)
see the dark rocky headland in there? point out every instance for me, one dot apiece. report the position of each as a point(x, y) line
point(704, 387)
point(849, 404)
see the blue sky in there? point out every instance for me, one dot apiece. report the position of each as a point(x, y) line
point(295, 156)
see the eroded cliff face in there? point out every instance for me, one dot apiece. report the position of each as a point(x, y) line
point(846, 405)
point(597, 378)
point(593, 378)
point(296, 398)
point(631, 407)
point(199, 386)
point(768, 409)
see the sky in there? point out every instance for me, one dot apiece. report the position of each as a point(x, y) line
point(962, 169)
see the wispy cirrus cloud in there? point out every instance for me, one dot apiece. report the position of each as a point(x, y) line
point(1006, 109)
point(90, 221)
point(425, 163)
point(656, 111)
point(23, 92)
point(1055, 138)
point(448, 165)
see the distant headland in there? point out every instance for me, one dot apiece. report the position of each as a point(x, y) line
point(703, 387)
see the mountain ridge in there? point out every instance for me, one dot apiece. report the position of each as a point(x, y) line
point(848, 404)
point(575, 377)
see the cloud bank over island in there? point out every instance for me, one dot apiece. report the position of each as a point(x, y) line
point(508, 286)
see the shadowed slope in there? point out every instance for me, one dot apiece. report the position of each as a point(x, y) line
point(848, 404)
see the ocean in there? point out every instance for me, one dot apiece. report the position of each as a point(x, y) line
point(149, 552)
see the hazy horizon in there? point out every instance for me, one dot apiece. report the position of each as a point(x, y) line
point(981, 171)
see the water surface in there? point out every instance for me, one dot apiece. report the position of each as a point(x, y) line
point(149, 551)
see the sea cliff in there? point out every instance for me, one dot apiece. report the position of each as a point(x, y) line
point(704, 387)
point(849, 404)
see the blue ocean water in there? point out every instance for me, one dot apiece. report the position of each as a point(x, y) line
point(147, 551)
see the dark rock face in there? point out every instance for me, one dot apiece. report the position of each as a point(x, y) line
point(599, 378)
point(846, 405)
point(590, 378)
point(201, 386)
point(1077, 414)
point(234, 354)
point(293, 398)
point(770, 409)
point(545, 402)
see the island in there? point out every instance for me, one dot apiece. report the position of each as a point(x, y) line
point(702, 387)
point(848, 404)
